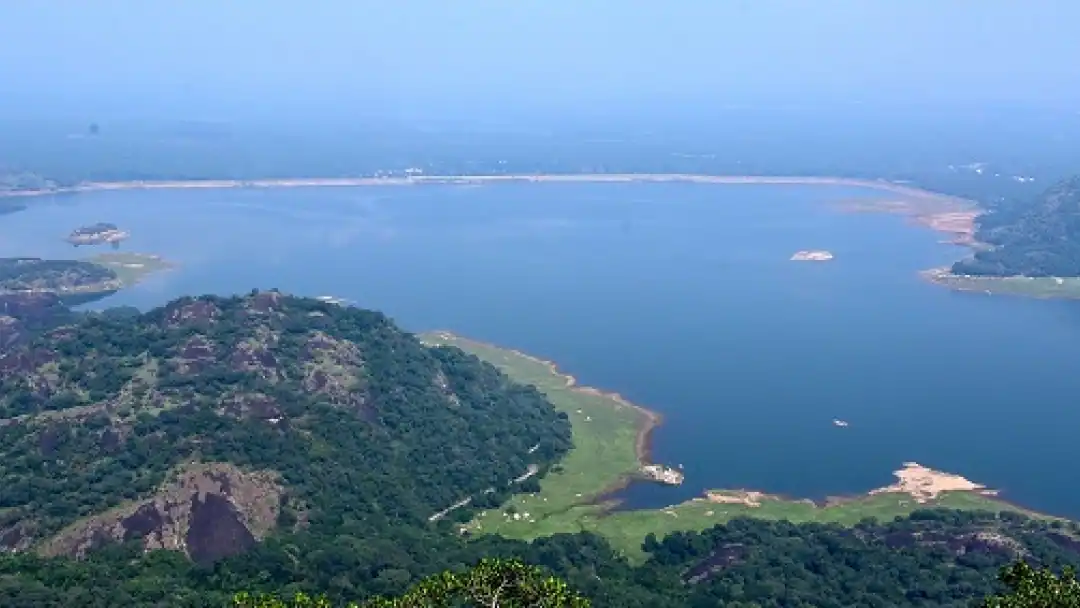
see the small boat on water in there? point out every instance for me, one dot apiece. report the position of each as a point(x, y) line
point(840, 423)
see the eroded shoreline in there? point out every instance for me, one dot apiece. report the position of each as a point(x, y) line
point(922, 484)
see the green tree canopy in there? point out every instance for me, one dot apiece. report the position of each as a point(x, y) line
point(493, 583)
point(1031, 588)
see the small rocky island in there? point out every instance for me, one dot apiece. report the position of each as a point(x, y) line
point(97, 234)
point(661, 474)
point(812, 255)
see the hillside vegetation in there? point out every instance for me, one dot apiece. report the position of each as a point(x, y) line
point(1036, 238)
point(930, 559)
point(206, 424)
point(509, 583)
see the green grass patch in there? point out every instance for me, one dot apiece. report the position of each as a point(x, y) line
point(627, 529)
point(1033, 287)
point(605, 432)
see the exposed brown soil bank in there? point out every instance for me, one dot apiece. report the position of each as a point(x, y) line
point(923, 484)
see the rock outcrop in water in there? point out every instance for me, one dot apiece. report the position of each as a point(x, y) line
point(809, 255)
point(96, 234)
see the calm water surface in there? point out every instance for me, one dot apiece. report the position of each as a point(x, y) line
point(679, 296)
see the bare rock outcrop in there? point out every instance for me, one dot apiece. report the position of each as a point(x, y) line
point(206, 511)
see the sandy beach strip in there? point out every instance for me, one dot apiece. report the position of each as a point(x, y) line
point(300, 182)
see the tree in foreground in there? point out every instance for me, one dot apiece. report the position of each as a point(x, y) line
point(1030, 588)
point(493, 583)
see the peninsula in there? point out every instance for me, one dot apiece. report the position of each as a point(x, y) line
point(74, 281)
point(132, 268)
point(77, 281)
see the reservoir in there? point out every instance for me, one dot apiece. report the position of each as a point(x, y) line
point(682, 297)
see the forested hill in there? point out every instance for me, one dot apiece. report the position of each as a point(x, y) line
point(1036, 238)
point(210, 423)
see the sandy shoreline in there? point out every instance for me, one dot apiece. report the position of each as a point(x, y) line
point(956, 219)
point(878, 184)
point(950, 215)
point(922, 484)
point(648, 419)
point(925, 484)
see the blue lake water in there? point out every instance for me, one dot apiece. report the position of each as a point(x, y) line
point(679, 296)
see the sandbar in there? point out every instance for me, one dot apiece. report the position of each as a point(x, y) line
point(749, 498)
point(922, 484)
point(925, 484)
point(907, 191)
point(951, 215)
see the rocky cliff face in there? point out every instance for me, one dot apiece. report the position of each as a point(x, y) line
point(206, 511)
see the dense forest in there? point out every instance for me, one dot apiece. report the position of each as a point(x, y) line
point(933, 558)
point(1035, 238)
point(513, 584)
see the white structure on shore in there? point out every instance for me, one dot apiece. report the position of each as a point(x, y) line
point(661, 474)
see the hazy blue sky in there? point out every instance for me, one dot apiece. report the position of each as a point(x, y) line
point(206, 56)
